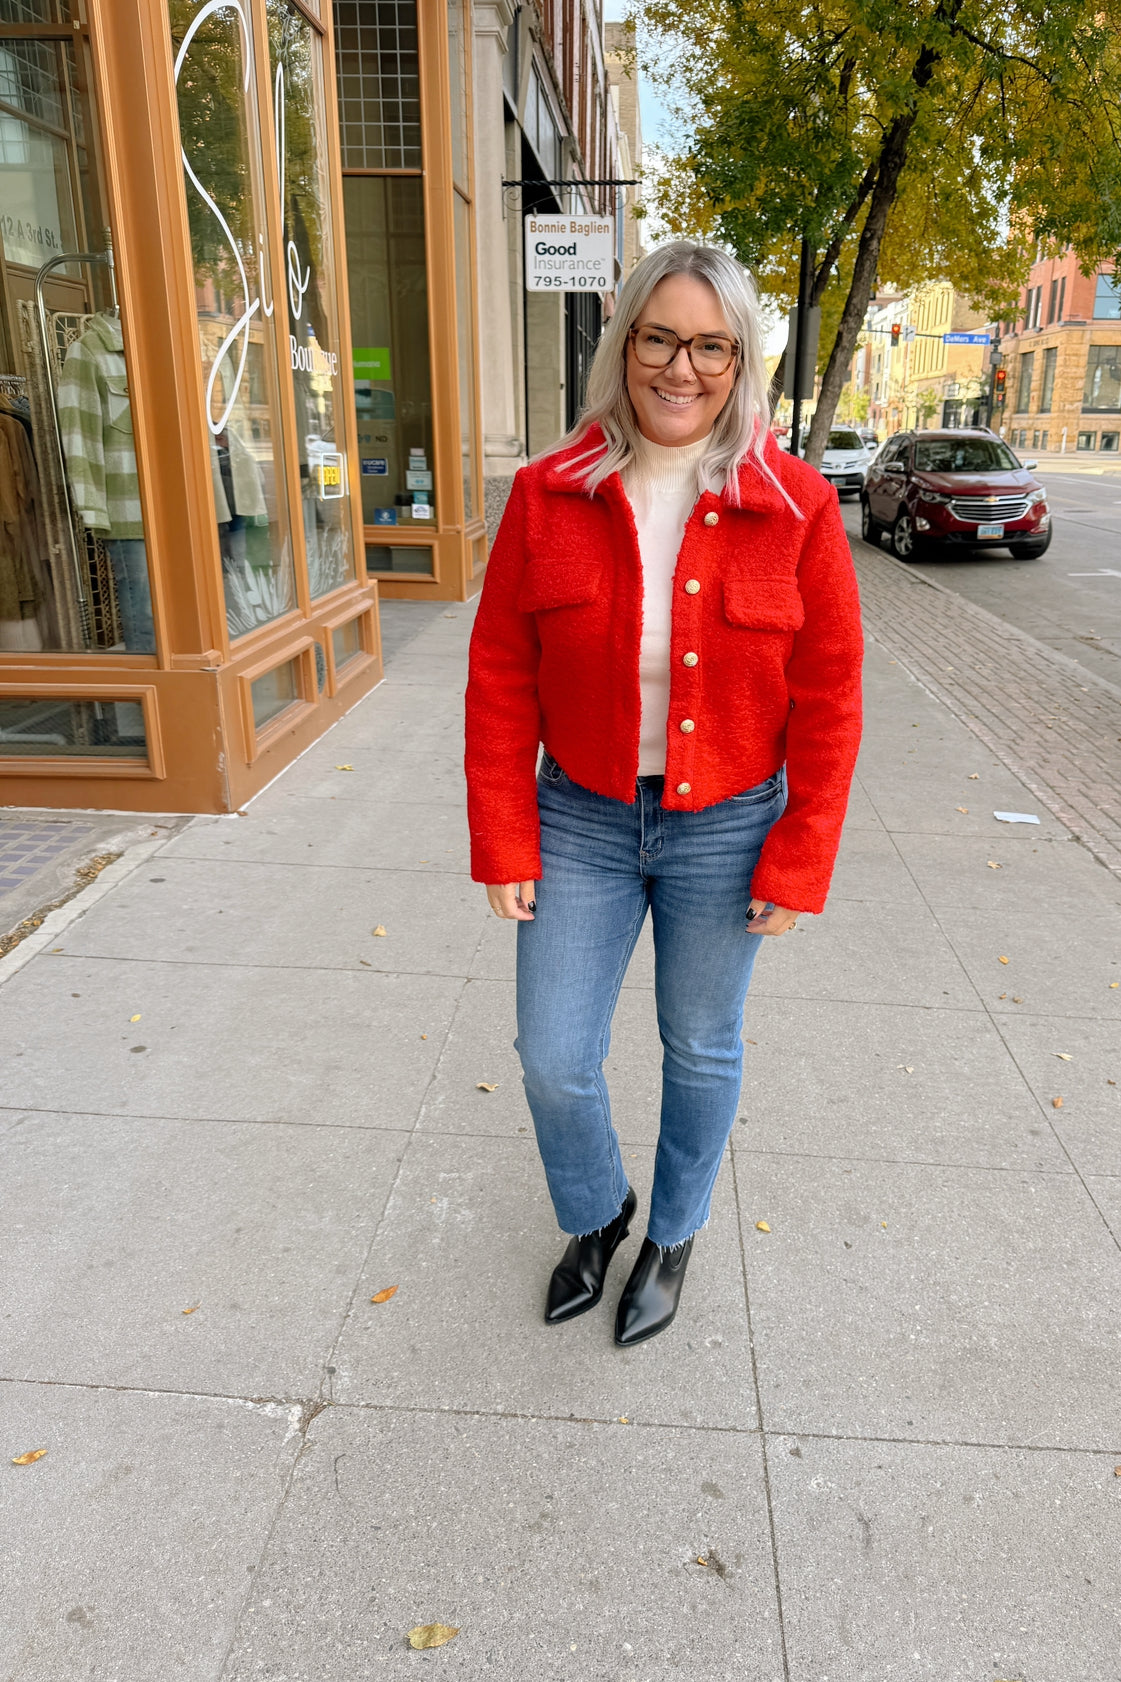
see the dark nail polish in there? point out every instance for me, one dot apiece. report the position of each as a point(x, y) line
point(533, 905)
point(750, 914)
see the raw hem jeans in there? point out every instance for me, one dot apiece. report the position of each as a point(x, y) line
point(603, 865)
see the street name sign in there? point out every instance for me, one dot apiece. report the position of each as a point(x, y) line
point(569, 253)
point(966, 338)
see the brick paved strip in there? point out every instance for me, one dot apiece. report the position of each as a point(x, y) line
point(1052, 723)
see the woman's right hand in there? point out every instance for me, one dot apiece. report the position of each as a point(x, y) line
point(514, 900)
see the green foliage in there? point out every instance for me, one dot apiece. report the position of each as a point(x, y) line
point(929, 140)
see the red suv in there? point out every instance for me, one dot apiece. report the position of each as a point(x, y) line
point(959, 488)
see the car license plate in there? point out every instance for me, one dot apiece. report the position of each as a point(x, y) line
point(990, 531)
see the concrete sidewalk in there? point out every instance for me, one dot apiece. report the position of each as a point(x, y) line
point(878, 1444)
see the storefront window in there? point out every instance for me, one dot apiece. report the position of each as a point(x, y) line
point(392, 375)
point(236, 299)
point(45, 726)
point(275, 693)
point(316, 356)
point(34, 11)
point(73, 558)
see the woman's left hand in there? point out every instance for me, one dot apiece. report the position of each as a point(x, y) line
point(775, 921)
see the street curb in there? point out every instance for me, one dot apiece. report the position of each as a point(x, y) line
point(60, 920)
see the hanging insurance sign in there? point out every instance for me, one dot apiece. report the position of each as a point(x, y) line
point(569, 253)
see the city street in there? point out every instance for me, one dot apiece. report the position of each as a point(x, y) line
point(1070, 598)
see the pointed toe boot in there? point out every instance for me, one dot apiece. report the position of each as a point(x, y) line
point(652, 1293)
point(577, 1281)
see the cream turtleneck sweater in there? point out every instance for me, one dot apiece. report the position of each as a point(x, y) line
point(661, 485)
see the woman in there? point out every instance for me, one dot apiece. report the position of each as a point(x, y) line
point(670, 610)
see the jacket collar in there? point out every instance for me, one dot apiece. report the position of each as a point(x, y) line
point(757, 491)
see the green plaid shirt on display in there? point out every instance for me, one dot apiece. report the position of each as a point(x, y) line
point(95, 418)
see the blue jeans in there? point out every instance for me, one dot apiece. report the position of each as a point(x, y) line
point(128, 558)
point(603, 864)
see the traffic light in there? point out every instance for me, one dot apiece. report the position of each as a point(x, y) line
point(896, 331)
point(1000, 375)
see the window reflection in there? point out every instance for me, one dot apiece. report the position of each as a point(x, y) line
point(296, 61)
point(223, 164)
point(73, 562)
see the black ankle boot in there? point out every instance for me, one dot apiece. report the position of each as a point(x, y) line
point(651, 1294)
point(577, 1282)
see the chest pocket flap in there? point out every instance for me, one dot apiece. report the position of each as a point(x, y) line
point(563, 582)
point(764, 604)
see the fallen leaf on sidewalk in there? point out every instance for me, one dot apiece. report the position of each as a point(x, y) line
point(366, 963)
point(908, 1068)
point(1117, 1471)
point(1115, 984)
point(344, 767)
point(1016, 999)
point(28, 1459)
point(962, 809)
point(379, 931)
point(973, 775)
point(431, 1635)
point(1004, 995)
point(1056, 1103)
point(1065, 1056)
point(384, 1296)
point(486, 1086)
point(424, 1036)
point(191, 1310)
point(623, 1419)
point(992, 864)
point(1003, 960)
point(134, 1019)
point(761, 1226)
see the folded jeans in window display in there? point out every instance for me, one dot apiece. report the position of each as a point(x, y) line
point(95, 421)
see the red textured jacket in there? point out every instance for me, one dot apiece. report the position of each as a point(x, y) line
point(768, 603)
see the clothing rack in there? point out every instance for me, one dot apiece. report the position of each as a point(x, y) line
point(46, 350)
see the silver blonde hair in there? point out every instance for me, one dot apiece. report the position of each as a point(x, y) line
point(741, 428)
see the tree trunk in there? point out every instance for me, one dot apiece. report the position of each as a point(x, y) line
point(821, 279)
point(893, 158)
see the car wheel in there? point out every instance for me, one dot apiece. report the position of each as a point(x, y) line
point(1030, 551)
point(870, 530)
point(903, 537)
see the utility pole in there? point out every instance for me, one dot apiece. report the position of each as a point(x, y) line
point(803, 338)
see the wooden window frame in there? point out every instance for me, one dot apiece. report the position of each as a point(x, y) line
point(193, 687)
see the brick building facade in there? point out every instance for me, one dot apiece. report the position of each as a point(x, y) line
point(1063, 361)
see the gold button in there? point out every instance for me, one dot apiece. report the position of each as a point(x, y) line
point(689, 659)
point(692, 585)
point(684, 788)
point(712, 519)
point(687, 725)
